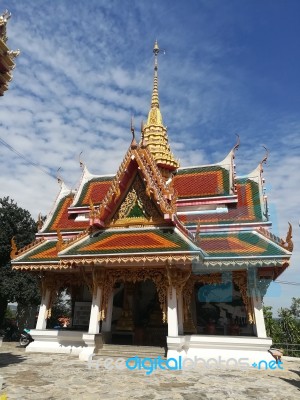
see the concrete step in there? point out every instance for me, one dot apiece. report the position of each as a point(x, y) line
point(126, 351)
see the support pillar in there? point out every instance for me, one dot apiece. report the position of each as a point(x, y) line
point(106, 324)
point(92, 339)
point(44, 307)
point(180, 314)
point(260, 329)
point(95, 309)
point(172, 312)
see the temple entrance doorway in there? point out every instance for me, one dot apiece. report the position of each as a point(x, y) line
point(137, 316)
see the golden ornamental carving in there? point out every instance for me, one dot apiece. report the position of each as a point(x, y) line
point(120, 260)
point(177, 276)
point(39, 222)
point(75, 239)
point(87, 279)
point(288, 243)
point(155, 182)
point(154, 118)
point(188, 289)
point(158, 276)
point(60, 242)
point(156, 186)
point(50, 283)
point(14, 249)
point(30, 246)
point(188, 324)
point(187, 294)
point(239, 278)
point(137, 196)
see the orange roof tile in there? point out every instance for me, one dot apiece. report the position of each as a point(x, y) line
point(202, 182)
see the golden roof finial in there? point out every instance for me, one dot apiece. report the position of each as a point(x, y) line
point(39, 222)
point(264, 160)
point(133, 142)
point(143, 144)
point(81, 163)
point(155, 99)
point(154, 133)
point(58, 176)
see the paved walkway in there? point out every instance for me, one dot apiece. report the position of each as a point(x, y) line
point(56, 376)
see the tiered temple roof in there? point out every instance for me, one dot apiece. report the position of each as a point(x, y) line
point(7, 56)
point(151, 211)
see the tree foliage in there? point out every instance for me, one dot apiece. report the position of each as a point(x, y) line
point(286, 328)
point(15, 286)
point(60, 308)
point(272, 326)
point(289, 326)
point(295, 307)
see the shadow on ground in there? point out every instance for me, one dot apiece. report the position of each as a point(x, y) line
point(9, 358)
point(294, 382)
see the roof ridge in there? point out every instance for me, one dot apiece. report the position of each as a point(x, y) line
point(29, 246)
point(286, 244)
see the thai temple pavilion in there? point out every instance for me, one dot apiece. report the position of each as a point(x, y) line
point(157, 253)
point(6, 55)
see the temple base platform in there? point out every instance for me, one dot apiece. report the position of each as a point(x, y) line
point(64, 341)
point(227, 350)
point(231, 351)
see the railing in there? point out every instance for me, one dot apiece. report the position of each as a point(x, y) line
point(289, 349)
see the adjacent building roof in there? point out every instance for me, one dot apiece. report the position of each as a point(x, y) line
point(247, 210)
point(7, 56)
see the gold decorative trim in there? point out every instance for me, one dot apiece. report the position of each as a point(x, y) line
point(75, 239)
point(240, 279)
point(60, 242)
point(188, 289)
point(128, 260)
point(30, 246)
point(14, 249)
point(288, 243)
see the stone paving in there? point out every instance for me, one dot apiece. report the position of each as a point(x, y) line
point(57, 376)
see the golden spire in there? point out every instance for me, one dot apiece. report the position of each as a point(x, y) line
point(154, 116)
point(154, 133)
point(155, 99)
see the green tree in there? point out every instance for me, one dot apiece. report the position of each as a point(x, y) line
point(289, 326)
point(15, 286)
point(295, 307)
point(60, 308)
point(272, 326)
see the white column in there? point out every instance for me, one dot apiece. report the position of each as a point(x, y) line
point(172, 313)
point(42, 317)
point(180, 314)
point(95, 309)
point(258, 314)
point(106, 324)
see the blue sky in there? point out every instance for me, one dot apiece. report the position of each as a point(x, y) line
point(85, 67)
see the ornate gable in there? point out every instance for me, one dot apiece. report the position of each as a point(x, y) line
point(149, 198)
point(137, 207)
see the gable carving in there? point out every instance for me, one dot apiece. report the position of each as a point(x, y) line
point(137, 207)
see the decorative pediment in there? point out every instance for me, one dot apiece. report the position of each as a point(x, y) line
point(151, 188)
point(137, 207)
